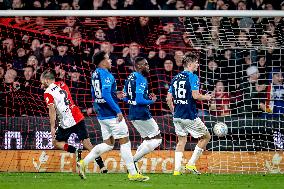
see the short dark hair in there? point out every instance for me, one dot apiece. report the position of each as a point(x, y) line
point(33, 69)
point(138, 59)
point(98, 57)
point(48, 74)
point(189, 57)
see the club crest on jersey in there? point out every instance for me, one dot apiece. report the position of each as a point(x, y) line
point(95, 74)
point(107, 80)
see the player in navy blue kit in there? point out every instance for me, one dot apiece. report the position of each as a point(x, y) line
point(109, 115)
point(136, 90)
point(181, 98)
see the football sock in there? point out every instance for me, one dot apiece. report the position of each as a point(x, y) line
point(69, 148)
point(96, 152)
point(196, 154)
point(126, 155)
point(178, 159)
point(100, 162)
point(146, 147)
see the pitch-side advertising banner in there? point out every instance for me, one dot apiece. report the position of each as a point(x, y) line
point(155, 162)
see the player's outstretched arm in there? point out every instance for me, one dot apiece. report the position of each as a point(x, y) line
point(170, 103)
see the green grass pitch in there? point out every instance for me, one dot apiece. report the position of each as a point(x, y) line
point(157, 181)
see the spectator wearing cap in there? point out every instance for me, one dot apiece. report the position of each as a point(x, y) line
point(273, 105)
point(252, 93)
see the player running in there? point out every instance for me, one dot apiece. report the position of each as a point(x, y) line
point(136, 90)
point(70, 119)
point(181, 99)
point(113, 125)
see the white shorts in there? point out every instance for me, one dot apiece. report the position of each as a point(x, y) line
point(195, 127)
point(146, 128)
point(110, 127)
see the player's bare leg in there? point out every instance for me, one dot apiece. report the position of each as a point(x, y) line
point(88, 145)
point(126, 155)
point(199, 148)
point(179, 154)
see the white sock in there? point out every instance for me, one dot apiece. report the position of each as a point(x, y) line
point(126, 155)
point(146, 147)
point(178, 159)
point(96, 152)
point(196, 154)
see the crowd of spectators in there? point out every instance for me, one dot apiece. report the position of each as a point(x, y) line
point(241, 67)
point(138, 4)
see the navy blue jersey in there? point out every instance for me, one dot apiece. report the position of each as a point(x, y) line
point(135, 85)
point(181, 89)
point(103, 81)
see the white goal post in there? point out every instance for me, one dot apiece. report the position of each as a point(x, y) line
point(150, 13)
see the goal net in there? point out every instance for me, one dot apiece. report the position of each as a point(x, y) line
point(241, 64)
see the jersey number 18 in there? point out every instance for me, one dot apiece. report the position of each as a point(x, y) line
point(179, 89)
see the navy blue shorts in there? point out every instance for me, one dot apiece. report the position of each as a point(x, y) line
point(79, 129)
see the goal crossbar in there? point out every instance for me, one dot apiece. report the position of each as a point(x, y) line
point(150, 13)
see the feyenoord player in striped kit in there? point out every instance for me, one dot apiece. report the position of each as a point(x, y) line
point(70, 119)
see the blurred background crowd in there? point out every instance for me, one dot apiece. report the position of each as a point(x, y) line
point(241, 59)
point(138, 4)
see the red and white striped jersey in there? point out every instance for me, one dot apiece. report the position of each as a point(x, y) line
point(67, 112)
